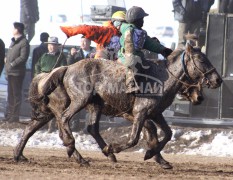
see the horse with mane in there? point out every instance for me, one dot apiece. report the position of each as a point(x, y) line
point(88, 83)
point(59, 101)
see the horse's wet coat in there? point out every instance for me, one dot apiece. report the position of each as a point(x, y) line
point(98, 74)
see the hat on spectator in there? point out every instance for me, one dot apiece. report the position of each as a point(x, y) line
point(53, 40)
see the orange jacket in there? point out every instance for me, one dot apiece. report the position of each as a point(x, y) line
point(99, 34)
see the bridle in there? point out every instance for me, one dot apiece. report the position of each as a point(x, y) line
point(191, 82)
point(204, 79)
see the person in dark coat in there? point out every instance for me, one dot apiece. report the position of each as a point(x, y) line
point(192, 17)
point(29, 15)
point(2, 55)
point(50, 60)
point(226, 6)
point(39, 51)
point(85, 51)
point(15, 66)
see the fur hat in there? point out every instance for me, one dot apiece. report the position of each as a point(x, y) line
point(53, 40)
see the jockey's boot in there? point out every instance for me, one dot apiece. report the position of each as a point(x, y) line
point(131, 84)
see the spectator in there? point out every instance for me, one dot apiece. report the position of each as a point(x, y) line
point(192, 17)
point(15, 67)
point(39, 51)
point(53, 58)
point(29, 15)
point(106, 36)
point(2, 55)
point(226, 6)
point(85, 51)
point(50, 60)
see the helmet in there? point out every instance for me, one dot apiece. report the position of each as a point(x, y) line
point(135, 13)
point(119, 16)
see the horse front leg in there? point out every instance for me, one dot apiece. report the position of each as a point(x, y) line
point(30, 129)
point(160, 121)
point(138, 122)
point(153, 143)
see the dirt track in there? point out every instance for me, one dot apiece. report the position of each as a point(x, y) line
point(54, 164)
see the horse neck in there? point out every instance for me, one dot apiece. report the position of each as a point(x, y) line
point(175, 75)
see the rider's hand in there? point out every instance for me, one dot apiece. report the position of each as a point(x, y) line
point(166, 52)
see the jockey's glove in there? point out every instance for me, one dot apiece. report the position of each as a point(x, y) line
point(166, 52)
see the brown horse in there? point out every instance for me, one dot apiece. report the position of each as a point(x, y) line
point(59, 101)
point(97, 97)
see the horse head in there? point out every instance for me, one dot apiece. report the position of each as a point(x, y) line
point(192, 93)
point(198, 69)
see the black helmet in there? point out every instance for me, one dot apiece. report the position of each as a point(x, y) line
point(135, 13)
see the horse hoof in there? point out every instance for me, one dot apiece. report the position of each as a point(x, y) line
point(84, 163)
point(148, 155)
point(70, 150)
point(107, 150)
point(112, 158)
point(166, 166)
point(20, 158)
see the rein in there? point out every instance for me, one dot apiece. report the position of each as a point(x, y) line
point(204, 79)
point(59, 55)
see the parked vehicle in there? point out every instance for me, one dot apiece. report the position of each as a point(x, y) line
point(164, 31)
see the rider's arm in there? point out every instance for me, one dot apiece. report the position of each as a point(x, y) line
point(152, 45)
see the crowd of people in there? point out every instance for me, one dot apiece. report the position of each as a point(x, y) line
point(121, 39)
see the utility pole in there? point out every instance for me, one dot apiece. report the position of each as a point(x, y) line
point(81, 11)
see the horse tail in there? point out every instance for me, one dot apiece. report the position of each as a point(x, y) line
point(39, 110)
point(50, 82)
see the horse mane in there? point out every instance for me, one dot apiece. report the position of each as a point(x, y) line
point(173, 56)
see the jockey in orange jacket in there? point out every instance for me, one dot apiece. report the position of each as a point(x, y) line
point(106, 36)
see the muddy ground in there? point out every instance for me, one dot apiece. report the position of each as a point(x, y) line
point(54, 163)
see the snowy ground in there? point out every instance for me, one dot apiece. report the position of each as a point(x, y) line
point(190, 141)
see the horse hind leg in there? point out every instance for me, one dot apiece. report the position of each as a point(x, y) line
point(30, 129)
point(153, 143)
point(78, 157)
point(63, 122)
point(75, 152)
